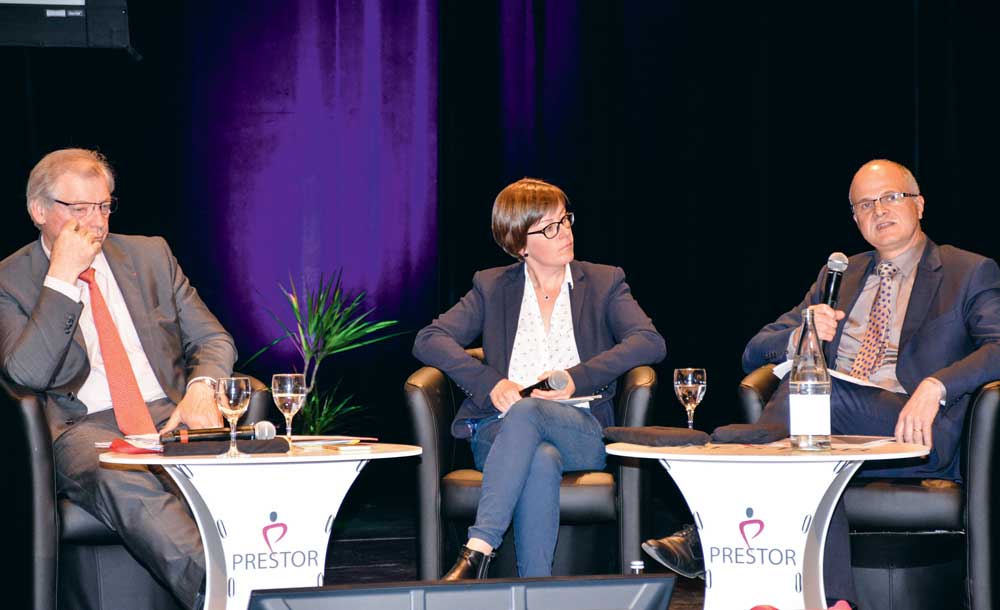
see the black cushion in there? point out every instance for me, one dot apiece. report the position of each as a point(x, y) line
point(80, 527)
point(584, 497)
point(887, 505)
point(655, 436)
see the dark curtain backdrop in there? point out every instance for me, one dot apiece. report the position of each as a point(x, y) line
point(276, 142)
point(708, 148)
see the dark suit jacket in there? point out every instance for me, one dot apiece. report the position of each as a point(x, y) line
point(612, 333)
point(951, 330)
point(43, 349)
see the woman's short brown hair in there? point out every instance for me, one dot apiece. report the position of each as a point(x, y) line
point(520, 205)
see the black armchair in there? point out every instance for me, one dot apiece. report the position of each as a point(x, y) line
point(75, 560)
point(590, 502)
point(916, 546)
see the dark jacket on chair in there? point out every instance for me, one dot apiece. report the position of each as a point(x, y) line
point(612, 333)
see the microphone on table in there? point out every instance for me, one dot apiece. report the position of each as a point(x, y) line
point(835, 267)
point(556, 381)
point(261, 431)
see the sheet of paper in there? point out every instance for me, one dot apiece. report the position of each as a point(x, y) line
point(782, 369)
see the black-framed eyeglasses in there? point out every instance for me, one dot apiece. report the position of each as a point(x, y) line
point(552, 229)
point(84, 209)
point(867, 206)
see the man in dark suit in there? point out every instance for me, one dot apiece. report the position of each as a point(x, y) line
point(109, 330)
point(921, 322)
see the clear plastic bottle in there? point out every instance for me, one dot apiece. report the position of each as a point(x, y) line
point(809, 391)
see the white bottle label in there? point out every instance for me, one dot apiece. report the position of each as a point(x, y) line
point(809, 414)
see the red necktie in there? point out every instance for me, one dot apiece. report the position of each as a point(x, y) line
point(131, 412)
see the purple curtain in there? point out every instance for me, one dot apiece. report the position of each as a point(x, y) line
point(320, 123)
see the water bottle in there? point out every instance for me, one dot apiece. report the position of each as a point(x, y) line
point(809, 391)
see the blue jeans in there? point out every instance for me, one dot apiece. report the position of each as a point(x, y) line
point(522, 457)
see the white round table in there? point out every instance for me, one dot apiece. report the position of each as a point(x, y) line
point(762, 513)
point(265, 519)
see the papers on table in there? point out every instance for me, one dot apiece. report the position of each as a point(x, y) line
point(317, 441)
point(140, 441)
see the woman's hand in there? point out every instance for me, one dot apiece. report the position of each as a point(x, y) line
point(555, 394)
point(504, 394)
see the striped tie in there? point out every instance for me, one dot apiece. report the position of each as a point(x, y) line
point(131, 412)
point(876, 337)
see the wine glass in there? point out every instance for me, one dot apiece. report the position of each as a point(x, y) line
point(232, 395)
point(689, 385)
point(289, 392)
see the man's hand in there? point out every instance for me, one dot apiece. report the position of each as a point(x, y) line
point(196, 410)
point(917, 417)
point(826, 319)
point(555, 394)
point(504, 394)
point(73, 252)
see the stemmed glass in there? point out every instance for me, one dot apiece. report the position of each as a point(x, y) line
point(289, 392)
point(232, 395)
point(690, 385)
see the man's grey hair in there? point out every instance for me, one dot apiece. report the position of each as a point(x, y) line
point(79, 161)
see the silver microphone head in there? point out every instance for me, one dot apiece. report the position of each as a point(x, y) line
point(558, 380)
point(263, 430)
point(837, 262)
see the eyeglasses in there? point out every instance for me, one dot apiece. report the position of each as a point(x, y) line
point(84, 209)
point(867, 206)
point(552, 229)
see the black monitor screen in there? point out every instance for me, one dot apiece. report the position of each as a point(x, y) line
point(647, 592)
point(65, 23)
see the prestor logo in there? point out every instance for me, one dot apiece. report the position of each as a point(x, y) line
point(283, 558)
point(750, 521)
point(271, 528)
point(748, 554)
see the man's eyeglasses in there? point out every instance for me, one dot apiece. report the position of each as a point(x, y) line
point(83, 210)
point(552, 229)
point(867, 206)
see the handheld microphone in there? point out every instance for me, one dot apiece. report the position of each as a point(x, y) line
point(262, 431)
point(556, 381)
point(835, 267)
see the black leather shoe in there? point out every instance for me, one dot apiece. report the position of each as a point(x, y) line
point(470, 565)
point(680, 552)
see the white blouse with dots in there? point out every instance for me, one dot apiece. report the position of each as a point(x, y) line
point(536, 352)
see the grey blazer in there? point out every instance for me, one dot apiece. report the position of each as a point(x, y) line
point(613, 334)
point(43, 349)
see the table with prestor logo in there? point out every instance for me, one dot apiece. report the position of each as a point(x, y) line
point(762, 513)
point(265, 519)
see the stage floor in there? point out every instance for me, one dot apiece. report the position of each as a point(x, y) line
point(377, 543)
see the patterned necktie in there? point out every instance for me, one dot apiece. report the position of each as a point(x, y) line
point(131, 412)
point(876, 337)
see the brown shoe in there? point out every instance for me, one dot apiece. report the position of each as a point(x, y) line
point(470, 565)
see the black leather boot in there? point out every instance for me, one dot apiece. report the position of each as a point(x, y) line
point(470, 565)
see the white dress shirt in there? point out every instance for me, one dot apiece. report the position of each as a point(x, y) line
point(536, 351)
point(95, 392)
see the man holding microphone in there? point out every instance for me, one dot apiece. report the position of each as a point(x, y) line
point(920, 327)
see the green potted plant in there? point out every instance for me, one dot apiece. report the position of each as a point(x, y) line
point(326, 323)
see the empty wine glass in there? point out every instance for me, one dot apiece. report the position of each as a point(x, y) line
point(690, 385)
point(232, 395)
point(289, 392)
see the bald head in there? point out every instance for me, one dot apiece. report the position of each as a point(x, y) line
point(884, 170)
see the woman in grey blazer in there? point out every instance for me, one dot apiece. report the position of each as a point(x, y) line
point(542, 315)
